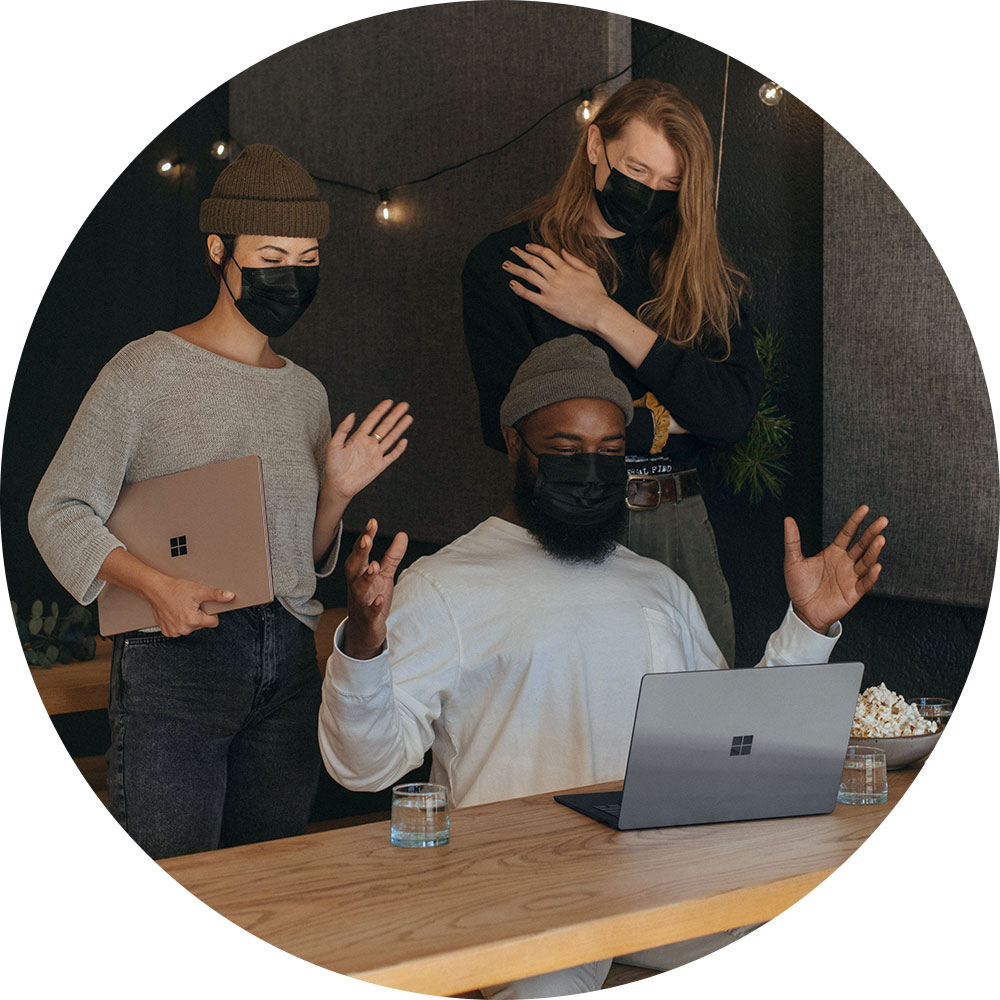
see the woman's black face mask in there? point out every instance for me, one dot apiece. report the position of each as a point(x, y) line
point(584, 488)
point(629, 205)
point(273, 298)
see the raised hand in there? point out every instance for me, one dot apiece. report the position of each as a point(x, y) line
point(354, 460)
point(824, 587)
point(370, 587)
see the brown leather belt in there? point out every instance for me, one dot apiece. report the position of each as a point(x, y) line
point(648, 492)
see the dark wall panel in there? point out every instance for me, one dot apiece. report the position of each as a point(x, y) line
point(907, 413)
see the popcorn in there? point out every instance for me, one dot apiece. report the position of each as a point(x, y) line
point(882, 712)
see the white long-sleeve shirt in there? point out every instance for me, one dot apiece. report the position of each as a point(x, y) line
point(520, 671)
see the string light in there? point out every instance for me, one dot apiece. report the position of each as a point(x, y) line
point(384, 213)
point(770, 93)
point(167, 166)
point(586, 108)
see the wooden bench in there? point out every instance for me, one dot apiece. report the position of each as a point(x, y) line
point(83, 686)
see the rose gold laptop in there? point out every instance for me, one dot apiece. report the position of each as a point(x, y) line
point(206, 524)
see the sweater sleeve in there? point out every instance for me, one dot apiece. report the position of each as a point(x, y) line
point(713, 400)
point(377, 718)
point(81, 485)
point(322, 439)
point(497, 335)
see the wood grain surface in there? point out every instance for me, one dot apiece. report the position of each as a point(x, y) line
point(525, 886)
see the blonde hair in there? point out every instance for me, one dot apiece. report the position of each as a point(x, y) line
point(696, 288)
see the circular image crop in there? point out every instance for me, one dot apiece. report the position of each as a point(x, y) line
point(336, 245)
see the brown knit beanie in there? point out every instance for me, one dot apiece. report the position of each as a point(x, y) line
point(264, 193)
point(565, 368)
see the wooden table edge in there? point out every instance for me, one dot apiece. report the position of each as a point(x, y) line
point(606, 937)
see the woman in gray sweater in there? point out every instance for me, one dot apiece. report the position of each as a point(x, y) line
point(213, 717)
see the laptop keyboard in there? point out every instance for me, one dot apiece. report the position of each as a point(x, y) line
point(612, 809)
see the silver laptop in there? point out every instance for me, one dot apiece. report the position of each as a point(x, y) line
point(206, 524)
point(715, 745)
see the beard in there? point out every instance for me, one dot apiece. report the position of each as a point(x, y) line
point(570, 543)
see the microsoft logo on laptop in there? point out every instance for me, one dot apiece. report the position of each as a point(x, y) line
point(178, 546)
point(741, 746)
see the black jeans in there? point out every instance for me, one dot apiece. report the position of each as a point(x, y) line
point(213, 734)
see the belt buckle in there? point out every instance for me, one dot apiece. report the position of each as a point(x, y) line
point(630, 492)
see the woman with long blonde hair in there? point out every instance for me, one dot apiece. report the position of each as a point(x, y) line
point(625, 251)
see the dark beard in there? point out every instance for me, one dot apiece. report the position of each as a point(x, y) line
point(571, 543)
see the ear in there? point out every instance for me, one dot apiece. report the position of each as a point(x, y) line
point(594, 142)
point(513, 441)
point(216, 248)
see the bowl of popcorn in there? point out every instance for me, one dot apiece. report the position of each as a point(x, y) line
point(906, 731)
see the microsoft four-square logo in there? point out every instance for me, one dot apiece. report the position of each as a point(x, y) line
point(741, 746)
point(178, 546)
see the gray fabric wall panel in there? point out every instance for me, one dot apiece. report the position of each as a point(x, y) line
point(388, 100)
point(907, 420)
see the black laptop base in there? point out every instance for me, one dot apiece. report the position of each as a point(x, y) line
point(602, 806)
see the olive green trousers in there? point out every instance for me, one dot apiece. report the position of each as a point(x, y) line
point(680, 536)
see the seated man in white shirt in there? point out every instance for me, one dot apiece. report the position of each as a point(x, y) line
point(516, 652)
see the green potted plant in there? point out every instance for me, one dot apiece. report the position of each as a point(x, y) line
point(54, 638)
point(758, 465)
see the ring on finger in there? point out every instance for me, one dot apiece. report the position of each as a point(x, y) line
point(378, 437)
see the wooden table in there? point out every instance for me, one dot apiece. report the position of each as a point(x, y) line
point(524, 887)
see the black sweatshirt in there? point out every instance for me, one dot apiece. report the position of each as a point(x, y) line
point(715, 401)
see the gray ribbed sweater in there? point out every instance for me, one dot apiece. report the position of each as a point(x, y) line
point(162, 405)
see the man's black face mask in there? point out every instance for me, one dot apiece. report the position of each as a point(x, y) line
point(629, 205)
point(574, 505)
point(581, 489)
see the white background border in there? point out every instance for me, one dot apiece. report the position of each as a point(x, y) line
point(910, 86)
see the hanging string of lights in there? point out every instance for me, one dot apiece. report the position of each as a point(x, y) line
point(587, 105)
point(586, 108)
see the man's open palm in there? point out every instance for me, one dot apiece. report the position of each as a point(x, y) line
point(824, 587)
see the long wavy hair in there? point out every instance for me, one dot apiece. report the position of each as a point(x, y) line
point(696, 288)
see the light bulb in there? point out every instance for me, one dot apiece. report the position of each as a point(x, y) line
point(220, 149)
point(586, 110)
point(384, 212)
point(770, 93)
point(166, 166)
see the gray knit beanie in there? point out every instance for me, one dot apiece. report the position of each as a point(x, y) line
point(565, 368)
point(265, 193)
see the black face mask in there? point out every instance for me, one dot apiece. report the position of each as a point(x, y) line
point(629, 205)
point(273, 298)
point(581, 489)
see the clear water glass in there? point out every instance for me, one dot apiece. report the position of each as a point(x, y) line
point(865, 779)
point(419, 815)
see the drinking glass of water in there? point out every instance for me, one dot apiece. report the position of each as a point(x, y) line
point(419, 815)
point(865, 780)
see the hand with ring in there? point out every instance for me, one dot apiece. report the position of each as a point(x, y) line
point(353, 460)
